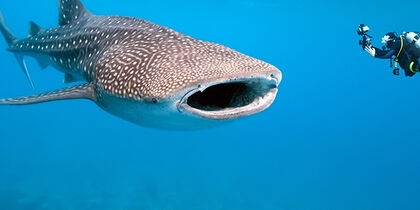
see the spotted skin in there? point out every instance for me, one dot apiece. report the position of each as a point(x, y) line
point(129, 59)
point(134, 58)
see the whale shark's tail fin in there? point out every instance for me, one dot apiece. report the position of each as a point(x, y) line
point(11, 39)
point(71, 10)
point(8, 35)
point(84, 91)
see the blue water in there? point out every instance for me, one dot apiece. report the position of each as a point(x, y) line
point(343, 133)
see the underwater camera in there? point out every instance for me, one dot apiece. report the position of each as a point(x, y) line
point(362, 31)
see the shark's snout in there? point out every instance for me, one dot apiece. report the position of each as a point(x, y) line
point(229, 99)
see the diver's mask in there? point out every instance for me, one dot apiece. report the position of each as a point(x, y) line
point(389, 39)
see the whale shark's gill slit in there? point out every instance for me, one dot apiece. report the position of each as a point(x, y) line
point(228, 96)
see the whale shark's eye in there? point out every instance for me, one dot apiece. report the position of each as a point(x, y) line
point(154, 100)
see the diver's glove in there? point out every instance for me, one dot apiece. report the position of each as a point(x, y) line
point(370, 50)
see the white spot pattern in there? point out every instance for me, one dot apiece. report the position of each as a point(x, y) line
point(134, 58)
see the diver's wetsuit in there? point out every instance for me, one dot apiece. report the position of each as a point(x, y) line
point(405, 58)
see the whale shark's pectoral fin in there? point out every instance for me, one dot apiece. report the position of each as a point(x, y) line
point(85, 91)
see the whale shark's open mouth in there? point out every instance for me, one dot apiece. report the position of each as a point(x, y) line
point(232, 99)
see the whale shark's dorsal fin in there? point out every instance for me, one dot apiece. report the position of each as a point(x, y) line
point(34, 29)
point(71, 10)
point(85, 91)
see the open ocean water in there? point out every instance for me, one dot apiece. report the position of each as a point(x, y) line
point(343, 133)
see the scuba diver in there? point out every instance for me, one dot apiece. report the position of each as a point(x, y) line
point(403, 50)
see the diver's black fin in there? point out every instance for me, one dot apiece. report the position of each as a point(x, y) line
point(85, 91)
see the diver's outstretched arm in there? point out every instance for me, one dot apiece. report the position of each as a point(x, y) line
point(378, 53)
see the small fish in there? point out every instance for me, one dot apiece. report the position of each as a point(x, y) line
point(145, 73)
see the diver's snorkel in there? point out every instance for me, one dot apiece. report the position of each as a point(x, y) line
point(362, 31)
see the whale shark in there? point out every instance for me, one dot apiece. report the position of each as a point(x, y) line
point(142, 72)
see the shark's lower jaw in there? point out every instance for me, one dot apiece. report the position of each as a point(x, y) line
point(230, 99)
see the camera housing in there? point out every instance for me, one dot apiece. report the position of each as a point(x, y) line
point(363, 29)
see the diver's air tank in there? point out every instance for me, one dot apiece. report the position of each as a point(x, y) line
point(413, 37)
point(414, 43)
